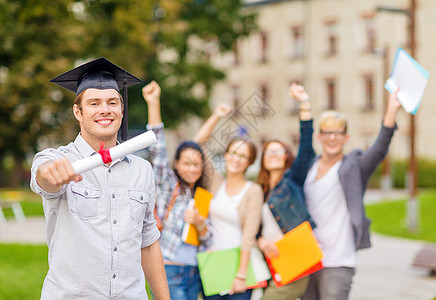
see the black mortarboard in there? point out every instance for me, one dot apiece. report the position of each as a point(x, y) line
point(99, 74)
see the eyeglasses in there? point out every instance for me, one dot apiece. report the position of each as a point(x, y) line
point(238, 155)
point(334, 133)
point(275, 152)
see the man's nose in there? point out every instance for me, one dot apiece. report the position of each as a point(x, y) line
point(105, 108)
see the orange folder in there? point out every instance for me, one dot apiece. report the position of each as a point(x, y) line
point(299, 255)
point(201, 201)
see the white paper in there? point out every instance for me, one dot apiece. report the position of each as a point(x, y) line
point(136, 143)
point(411, 78)
point(185, 230)
point(260, 268)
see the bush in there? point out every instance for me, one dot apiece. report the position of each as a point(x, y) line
point(390, 217)
point(426, 173)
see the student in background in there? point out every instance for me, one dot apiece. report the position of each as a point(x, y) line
point(334, 190)
point(282, 180)
point(235, 210)
point(175, 188)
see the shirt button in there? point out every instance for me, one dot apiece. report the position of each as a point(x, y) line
point(271, 206)
point(86, 193)
point(114, 276)
point(142, 198)
point(278, 218)
point(113, 195)
point(115, 249)
point(115, 221)
point(110, 171)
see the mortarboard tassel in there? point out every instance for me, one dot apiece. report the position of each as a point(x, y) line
point(125, 121)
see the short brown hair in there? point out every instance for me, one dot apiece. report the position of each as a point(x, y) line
point(251, 148)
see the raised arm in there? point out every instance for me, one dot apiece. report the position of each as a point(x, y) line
point(165, 178)
point(203, 135)
point(151, 94)
point(297, 92)
point(212, 178)
point(303, 161)
point(378, 150)
point(392, 110)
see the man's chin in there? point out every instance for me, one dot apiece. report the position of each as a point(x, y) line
point(107, 135)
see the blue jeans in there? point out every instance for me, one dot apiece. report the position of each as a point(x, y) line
point(241, 296)
point(183, 281)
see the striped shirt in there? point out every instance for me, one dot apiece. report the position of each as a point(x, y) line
point(166, 181)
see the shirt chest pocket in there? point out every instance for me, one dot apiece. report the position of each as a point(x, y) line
point(84, 202)
point(138, 204)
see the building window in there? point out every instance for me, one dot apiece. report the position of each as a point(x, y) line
point(263, 47)
point(370, 34)
point(368, 82)
point(297, 42)
point(236, 97)
point(235, 53)
point(332, 38)
point(264, 92)
point(331, 93)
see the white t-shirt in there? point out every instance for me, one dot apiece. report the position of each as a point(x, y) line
point(328, 208)
point(270, 229)
point(225, 224)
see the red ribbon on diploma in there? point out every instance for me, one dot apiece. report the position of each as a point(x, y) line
point(105, 155)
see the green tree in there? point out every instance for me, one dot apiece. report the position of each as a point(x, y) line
point(155, 40)
point(36, 40)
point(138, 33)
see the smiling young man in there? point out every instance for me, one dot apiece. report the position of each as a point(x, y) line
point(101, 231)
point(334, 190)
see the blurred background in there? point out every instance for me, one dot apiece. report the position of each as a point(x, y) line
point(202, 52)
point(245, 53)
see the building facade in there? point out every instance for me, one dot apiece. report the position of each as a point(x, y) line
point(342, 52)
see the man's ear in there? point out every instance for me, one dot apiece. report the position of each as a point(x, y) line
point(77, 113)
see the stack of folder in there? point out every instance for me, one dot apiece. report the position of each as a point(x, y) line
point(202, 200)
point(218, 270)
point(299, 255)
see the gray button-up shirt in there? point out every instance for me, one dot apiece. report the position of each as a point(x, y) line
point(97, 227)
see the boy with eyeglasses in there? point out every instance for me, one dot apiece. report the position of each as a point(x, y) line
point(334, 190)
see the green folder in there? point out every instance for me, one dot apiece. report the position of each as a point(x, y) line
point(218, 270)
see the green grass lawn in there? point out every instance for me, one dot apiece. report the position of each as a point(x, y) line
point(22, 271)
point(23, 267)
point(30, 209)
point(390, 217)
point(30, 202)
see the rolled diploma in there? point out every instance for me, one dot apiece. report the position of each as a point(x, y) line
point(136, 143)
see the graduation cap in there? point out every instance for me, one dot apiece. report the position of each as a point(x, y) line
point(99, 74)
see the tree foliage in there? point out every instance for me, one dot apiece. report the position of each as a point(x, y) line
point(41, 39)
